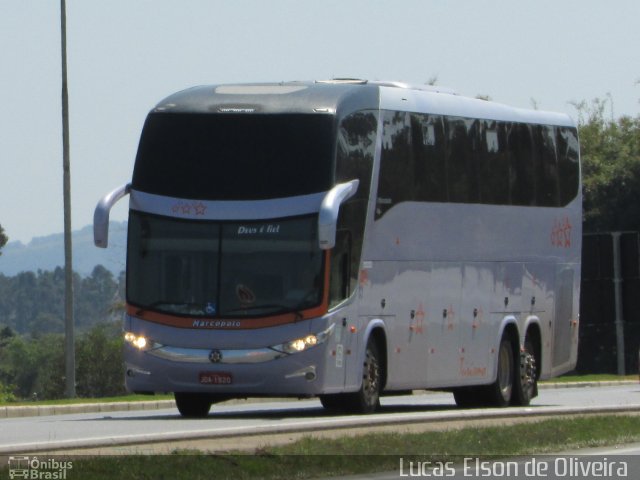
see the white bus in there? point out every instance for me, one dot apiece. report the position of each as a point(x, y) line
point(349, 239)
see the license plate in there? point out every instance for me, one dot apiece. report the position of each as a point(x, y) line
point(216, 378)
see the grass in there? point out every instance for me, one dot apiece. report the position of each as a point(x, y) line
point(74, 401)
point(594, 377)
point(314, 458)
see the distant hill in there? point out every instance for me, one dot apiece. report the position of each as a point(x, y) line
point(47, 253)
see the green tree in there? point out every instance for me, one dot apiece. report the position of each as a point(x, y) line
point(100, 361)
point(34, 365)
point(610, 151)
point(3, 239)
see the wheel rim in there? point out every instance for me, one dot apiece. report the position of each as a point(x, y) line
point(528, 370)
point(371, 378)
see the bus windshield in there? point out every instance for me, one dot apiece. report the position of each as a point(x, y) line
point(223, 269)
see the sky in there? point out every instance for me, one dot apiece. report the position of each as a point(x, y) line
point(124, 56)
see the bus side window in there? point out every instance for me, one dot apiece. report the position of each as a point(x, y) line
point(568, 166)
point(521, 164)
point(395, 182)
point(493, 163)
point(340, 273)
point(546, 166)
point(429, 147)
point(462, 178)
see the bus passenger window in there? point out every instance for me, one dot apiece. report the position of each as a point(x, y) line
point(395, 183)
point(493, 164)
point(429, 147)
point(546, 166)
point(462, 180)
point(568, 166)
point(521, 163)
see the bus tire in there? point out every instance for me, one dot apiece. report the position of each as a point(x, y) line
point(499, 393)
point(526, 377)
point(193, 405)
point(334, 402)
point(469, 397)
point(367, 399)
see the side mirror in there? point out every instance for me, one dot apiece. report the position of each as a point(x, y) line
point(329, 209)
point(101, 215)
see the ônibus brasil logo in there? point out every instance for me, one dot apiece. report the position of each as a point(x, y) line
point(36, 469)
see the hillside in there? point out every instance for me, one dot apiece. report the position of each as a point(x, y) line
point(47, 253)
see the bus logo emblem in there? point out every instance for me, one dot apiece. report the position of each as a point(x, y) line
point(215, 356)
point(245, 294)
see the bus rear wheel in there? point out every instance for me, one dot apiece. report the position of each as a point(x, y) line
point(469, 397)
point(526, 378)
point(500, 392)
point(193, 405)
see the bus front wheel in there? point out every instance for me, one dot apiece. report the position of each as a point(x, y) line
point(367, 399)
point(193, 405)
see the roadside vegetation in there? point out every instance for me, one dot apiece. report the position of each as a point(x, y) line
point(313, 458)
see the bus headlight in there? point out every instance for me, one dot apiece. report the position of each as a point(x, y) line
point(304, 343)
point(139, 341)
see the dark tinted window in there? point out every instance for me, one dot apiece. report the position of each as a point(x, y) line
point(546, 166)
point(234, 156)
point(356, 149)
point(435, 158)
point(568, 164)
point(521, 165)
point(396, 181)
point(462, 163)
point(493, 163)
point(430, 154)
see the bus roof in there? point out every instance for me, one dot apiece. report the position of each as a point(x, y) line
point(343, 96)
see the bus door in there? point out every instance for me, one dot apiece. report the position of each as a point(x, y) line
point(345, 344)
point(342, 350)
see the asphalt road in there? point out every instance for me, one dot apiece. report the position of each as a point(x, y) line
point(48, 433)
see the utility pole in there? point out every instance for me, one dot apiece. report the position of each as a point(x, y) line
point(70, 357)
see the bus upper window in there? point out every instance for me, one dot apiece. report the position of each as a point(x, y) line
point(429, 147)
point(461, 160)
point(396, 179)
point(546, 166)
point(462, 179)
point(493, 163)
point(208, 156)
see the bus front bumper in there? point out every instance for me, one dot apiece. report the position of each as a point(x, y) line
point(229, 373)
